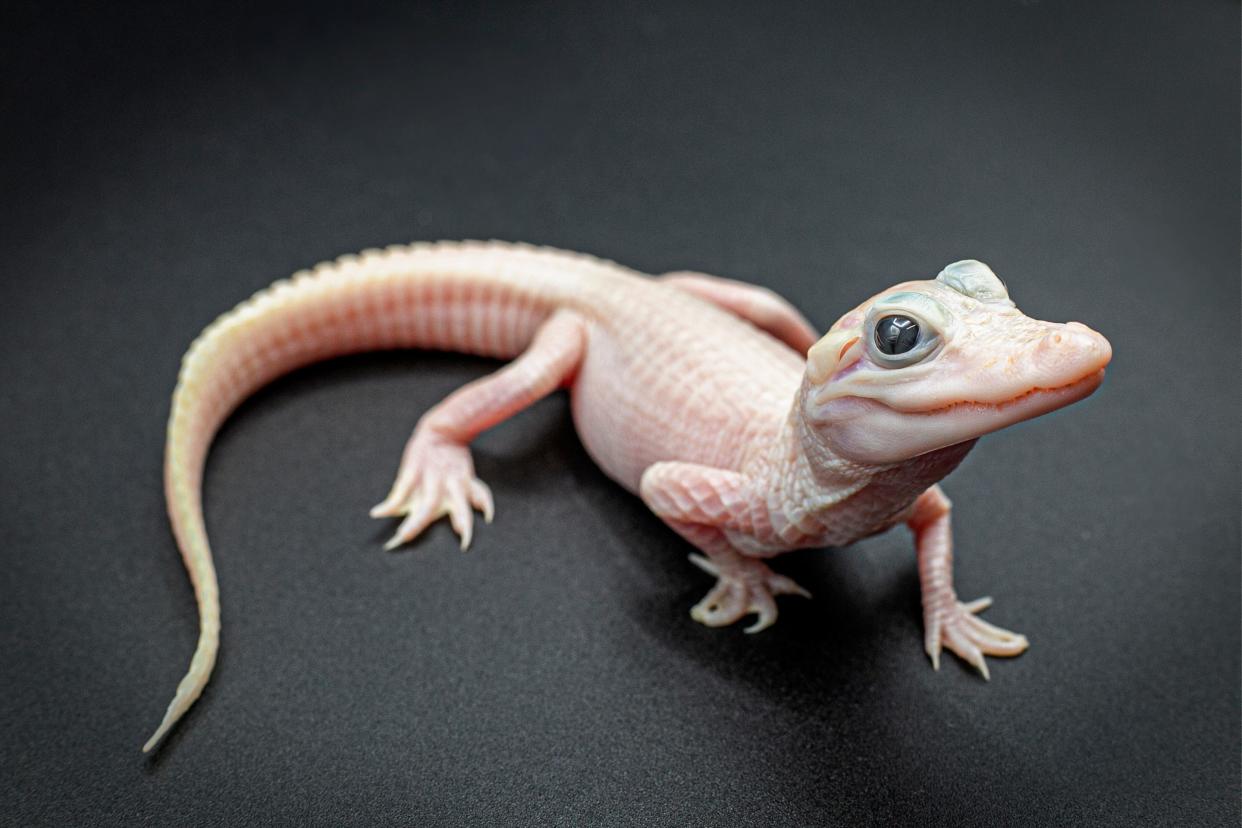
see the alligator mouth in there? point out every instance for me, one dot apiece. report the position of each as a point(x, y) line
point(1061, 395)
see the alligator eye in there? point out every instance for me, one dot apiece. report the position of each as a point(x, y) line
point(896, 334)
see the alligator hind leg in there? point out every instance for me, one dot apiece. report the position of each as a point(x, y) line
point(436, 476)
point(763, 308)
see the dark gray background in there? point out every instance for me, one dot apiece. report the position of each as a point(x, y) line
point(158, 167)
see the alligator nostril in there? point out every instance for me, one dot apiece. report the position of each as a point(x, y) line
point(1056, 338)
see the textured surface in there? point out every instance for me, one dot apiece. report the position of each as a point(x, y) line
point(553, 674)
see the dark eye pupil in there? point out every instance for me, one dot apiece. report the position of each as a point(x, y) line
point(896, 334)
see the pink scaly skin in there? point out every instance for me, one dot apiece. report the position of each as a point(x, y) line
point(714, 400)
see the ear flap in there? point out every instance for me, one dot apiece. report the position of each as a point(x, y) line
point(974, 279)
point(824, 356)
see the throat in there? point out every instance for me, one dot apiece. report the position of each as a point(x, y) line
point(817, 498)
point(903, 482)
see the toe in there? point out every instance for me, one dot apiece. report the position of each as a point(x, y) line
point(705, 611)
point(423, 510)
point(932, 643)
point(704, 564)
point(763, 605)
point(959, 643)
point(978, 605)
point(481, 499)
point(723, 606)
point(461, 516)
point(992, 630)
point(781, 585)
point(398, 498)
point(993, 640)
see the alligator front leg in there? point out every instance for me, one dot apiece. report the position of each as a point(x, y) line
point(436, 476)
point(947, 622)
point(706, 506)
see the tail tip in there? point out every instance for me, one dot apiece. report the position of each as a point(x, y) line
point(160, 732)
point(154, 740)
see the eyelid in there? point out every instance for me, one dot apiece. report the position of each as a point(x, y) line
point(918, 305)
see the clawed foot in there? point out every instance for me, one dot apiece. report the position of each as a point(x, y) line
point(745, 587)
point(436, 478)
point(965, 633)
